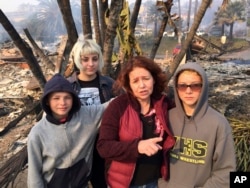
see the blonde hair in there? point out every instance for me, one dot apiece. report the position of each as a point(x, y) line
point(86, 47)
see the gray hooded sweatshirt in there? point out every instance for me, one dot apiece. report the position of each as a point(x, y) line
point(60, 154)
point(204, 153)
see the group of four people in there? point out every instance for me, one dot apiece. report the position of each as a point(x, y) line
point(140, 138)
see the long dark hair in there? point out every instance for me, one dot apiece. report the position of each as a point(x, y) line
point(160, 78)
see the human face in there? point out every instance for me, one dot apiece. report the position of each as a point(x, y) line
point(60, 104)
point(90, 63)
point(141, 83)
point(189, 96)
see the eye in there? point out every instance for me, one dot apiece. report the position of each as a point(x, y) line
point(85, 59)
point(182, 86)
point(55, 98)
point(134, 80)
point(146, 78)
point(196, 86)
point(68, 97)
point(95, 58)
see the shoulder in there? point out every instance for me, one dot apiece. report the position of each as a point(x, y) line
point(164, 100)
point(106, 79)
point(116, 109)
point(119, 103)
point(218, 119)
point(73, 78)
point(217, 116)
point(120, 100)
point(37, 130)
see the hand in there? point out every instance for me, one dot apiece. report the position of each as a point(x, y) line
point(149, 147)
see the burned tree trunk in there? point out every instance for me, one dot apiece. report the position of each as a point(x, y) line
point(114, 14)
point(64, 6)
point(24, 49)
point(39, 52)
point(166, 8)
point(197, 20)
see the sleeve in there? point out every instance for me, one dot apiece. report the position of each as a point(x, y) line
point(224, 161)
point(96, 112)
point(109, 145)
point(35, 165)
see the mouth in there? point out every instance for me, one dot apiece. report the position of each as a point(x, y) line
point(62, 109)
point(91, 70)
point(143, 92)
point(189, 98)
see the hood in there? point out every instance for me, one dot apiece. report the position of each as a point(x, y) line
point(202, 103)
point(58, 84)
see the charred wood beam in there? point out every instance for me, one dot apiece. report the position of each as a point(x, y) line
point(19, 118)
point(24, 49)
point(12, 167)
point(12, 58)
point(61, 50)
point(39, 52)
point(210, 43)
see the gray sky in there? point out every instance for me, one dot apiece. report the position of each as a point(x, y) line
point(12, 5)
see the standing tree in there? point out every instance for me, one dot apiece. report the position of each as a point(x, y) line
point(86, 23)
point(96, 23)
point(134, 15)
point(69, 21)
point(197, 20)
point(234, 12)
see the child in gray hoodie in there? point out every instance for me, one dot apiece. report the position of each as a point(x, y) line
point(204, 154)
point(60, 145)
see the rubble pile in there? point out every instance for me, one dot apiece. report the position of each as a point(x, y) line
point(15, 98)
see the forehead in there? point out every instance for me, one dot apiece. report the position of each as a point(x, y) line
point(90, 55)
point(139, 71)
point(59, 94)
point(189, 75)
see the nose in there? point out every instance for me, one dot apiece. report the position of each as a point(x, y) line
point(62, 101)
point(188, 90)
point(141, 83)
point(91, 62)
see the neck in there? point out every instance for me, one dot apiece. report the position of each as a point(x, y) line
point(189, 110)
point(85, 77)
point(145, 106)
